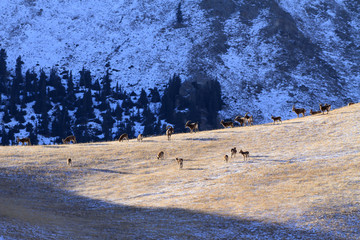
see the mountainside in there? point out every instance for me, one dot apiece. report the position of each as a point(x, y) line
point(301, 181)
point(267, 55)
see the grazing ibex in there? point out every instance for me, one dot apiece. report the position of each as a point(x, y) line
point(298, 111)
point(69, 162)
point(227, 124)
point(233, 152)
point(276, 119)
point(69, 139)
point(23, 140)
point(160, 155)
point(194, 127)
point(324, 108)
point(140, 137)
point(226, 158)
point(314, 112)
point(180, 162)
point(123, 137)
point(169, 132)
point(245, 154)
point(240, 120)
point(350, 103)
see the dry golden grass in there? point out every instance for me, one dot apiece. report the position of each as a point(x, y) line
point(302, 175)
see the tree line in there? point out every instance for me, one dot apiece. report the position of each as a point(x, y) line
point(52, 105)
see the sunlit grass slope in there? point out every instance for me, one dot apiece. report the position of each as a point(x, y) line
point(303, 174)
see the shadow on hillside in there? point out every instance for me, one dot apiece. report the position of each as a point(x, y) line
point(98, 144)
point(202, 139)
point(53, 146)
point(107, 171)
point(193, 168)
point(148, 140)
point(69, 216)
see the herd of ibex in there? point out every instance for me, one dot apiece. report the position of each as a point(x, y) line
point(194, 127)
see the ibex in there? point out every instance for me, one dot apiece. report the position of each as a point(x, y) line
point(69, 139)
point(194, 127)
point(23, 140)
point(245, 154)
point(233, 152)
point(248, 119)
point(314, 112)
point(227, 124)
point(350, 103)
point(226, 158)
point(69, 162)
point(276, 119)
point(123, 137)
point(169, 132)
point(324, 108)
point(140, 137)
point(240, 120)
point(160, 155)
point(180, 162)
point(299, 110)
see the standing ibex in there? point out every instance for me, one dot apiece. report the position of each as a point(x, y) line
point(169, 132)
point(245, 154)
point(276, 119)
point(298, 111)
point(69, 139)
point(233, 152)
point(123, 137)
point(248, 119)
point(23, 140)
point(69, 163)
point(226, 158)
point(227, 124)
point(180, 162)
point(140, 137)
point(324, 108)
point(194, 127)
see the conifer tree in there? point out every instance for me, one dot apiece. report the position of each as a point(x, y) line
point(118, 112)
point(4, 137)
point(148, 122)
point(179, 16)
point(85, 78)
point(44, 123)
point(56, 125)
point(106, 90)
point(17, 83)
point(143, 100)
point(70, 98)
point(171, 94)
point(6, 117)
point(66, 122)
point(56, 95)
point(107, 124)
point(32, 133)
point(30, 86)
point(154, 95)
point(88, 105)
point(42, 103)
point(4, 74)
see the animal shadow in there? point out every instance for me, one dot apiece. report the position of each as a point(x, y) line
point(107, 171)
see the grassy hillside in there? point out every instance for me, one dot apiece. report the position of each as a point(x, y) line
point(301, 181)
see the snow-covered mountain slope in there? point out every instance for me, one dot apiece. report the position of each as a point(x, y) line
point(267, 55)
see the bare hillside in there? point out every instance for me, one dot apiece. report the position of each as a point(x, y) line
point(300, 182)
